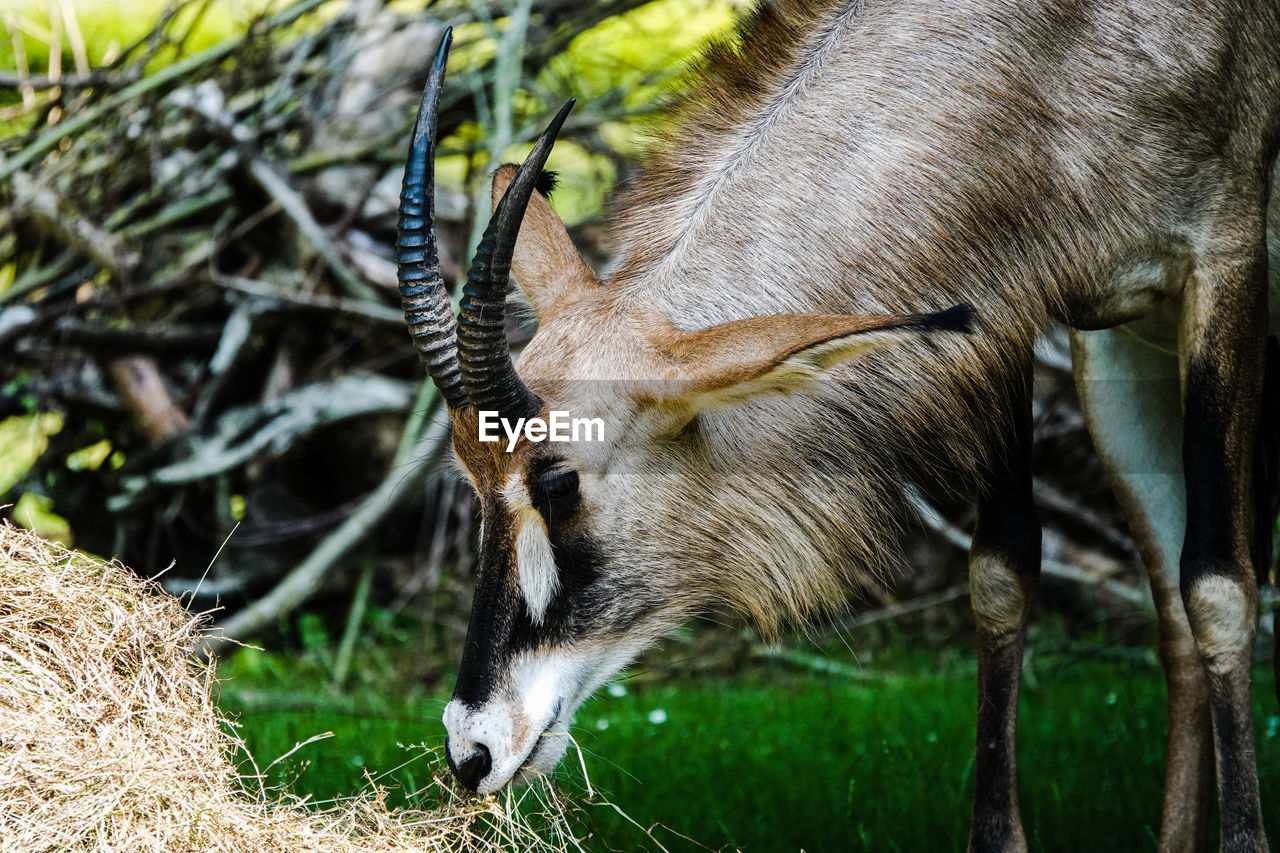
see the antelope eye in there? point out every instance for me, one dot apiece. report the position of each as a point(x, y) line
point(559, 486)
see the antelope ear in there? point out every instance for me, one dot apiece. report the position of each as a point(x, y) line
point(733, 362)
point(546, 264)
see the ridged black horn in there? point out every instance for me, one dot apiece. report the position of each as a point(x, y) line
point(423, 295)
point(488, 375)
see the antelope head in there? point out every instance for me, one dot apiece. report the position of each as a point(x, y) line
point(589, 550)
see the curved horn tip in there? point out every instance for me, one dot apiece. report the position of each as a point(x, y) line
point(424, 125)
point(530, 170)
point(442, 52)
point(423, 295)
point(554, 127)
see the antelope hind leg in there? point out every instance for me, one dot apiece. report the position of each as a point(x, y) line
point(1223, 333)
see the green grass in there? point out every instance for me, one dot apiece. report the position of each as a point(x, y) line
point(777, 761)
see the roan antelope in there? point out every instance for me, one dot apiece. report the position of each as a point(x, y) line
point(774, 357)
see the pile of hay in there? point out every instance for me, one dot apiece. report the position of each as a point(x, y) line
point(110, 740)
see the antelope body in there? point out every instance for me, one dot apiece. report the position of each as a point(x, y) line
point(773, 355)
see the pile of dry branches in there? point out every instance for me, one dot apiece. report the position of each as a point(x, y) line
point(204, 279)
point(110, 740)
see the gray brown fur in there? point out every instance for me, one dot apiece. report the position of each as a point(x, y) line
point(1074, 162)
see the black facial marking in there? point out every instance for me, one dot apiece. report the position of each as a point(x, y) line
point(578, 602)
point(501, 626)
point(492, 611)
point(579, 561)
point(586, 602)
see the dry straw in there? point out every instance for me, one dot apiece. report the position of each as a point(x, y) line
point(110, 739)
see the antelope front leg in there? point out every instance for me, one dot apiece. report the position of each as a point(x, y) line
point(1223, 336)
point(1004, 565)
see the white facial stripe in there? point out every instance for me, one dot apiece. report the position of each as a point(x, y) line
point(535, 564)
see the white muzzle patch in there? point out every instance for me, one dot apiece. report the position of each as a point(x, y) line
point(525, 724)
point(527, 731)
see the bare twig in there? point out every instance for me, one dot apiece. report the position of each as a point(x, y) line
point(141, 387)
point(405, 474)
point(1053, 498)
point(928, 601)
point(351, 631)
point(352, 307)
point(208, 102)
point(143, 337)
point(1134, 597)
point(40, 275)
point(55, 217)
point(92, 79)
point(275, 186)
point(245, 432)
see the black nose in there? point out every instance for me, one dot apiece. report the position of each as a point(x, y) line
point(474, 769)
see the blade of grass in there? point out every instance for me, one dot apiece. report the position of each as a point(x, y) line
point(351, 632)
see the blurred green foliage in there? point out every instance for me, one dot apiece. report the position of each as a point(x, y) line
point(107, 27)
point(624, 66)
point(23, 438)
